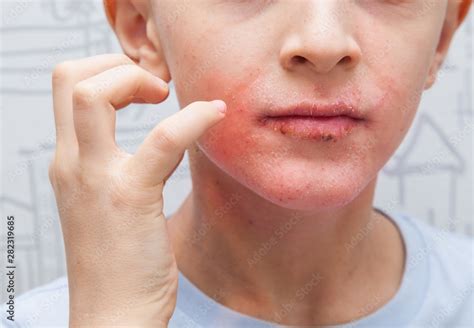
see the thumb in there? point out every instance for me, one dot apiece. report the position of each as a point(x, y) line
point(163, 148)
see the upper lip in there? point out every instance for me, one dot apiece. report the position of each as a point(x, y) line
point(311, 109)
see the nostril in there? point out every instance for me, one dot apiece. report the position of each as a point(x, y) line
point(299, 59)
point(345, 60)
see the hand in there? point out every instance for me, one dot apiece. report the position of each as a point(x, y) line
point(120, 263)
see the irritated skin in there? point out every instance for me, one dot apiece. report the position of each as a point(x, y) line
point(320, 129)
point(321, 52)
point(245, 146)
point(253, 71)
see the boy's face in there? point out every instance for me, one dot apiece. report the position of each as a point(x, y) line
point(261, 56)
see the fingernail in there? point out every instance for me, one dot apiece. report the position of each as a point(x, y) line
point(220, 105)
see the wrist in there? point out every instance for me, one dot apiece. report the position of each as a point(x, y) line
point(130, 318)
point(98, 309)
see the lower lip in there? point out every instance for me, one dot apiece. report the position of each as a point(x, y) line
point(331, 128)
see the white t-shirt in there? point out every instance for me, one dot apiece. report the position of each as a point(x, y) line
point(436, 290)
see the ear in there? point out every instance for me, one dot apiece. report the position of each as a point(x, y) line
point(133, 24)
point(456, 12)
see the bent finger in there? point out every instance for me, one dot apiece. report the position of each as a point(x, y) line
point(96, 99)
point(65, 76)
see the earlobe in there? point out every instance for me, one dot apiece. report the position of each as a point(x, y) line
point(137, 35)
point(441, 52)
point(434, 71)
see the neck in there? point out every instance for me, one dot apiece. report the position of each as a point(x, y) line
point(281, 264)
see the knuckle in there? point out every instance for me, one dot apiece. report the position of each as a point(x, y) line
point(59, 176)
point(74, 177)
point(62, 72)
point(59, 173)
point(83, 94)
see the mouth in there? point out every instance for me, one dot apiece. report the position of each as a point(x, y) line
point(313, 121)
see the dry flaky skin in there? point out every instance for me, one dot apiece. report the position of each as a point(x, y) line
point(250, 66)
point(308, 130)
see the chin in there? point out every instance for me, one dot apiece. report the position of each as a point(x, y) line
point(303, 186)
point(292, 174)
point(317, 194)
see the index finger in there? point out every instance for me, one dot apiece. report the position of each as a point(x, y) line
point(163, 148)
point(65, 76)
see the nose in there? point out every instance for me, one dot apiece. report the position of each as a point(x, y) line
point(321, 39)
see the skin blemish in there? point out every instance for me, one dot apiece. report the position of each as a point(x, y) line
point(326, 137)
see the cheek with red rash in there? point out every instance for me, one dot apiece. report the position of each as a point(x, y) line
point(226, 142)
point(237, 145)
point(239, 148)
point(295, 174)
point(284, 174)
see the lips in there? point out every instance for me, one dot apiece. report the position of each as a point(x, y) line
point(339, 108)
point(321, 122)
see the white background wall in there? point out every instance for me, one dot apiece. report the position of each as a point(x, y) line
point(430, 176)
